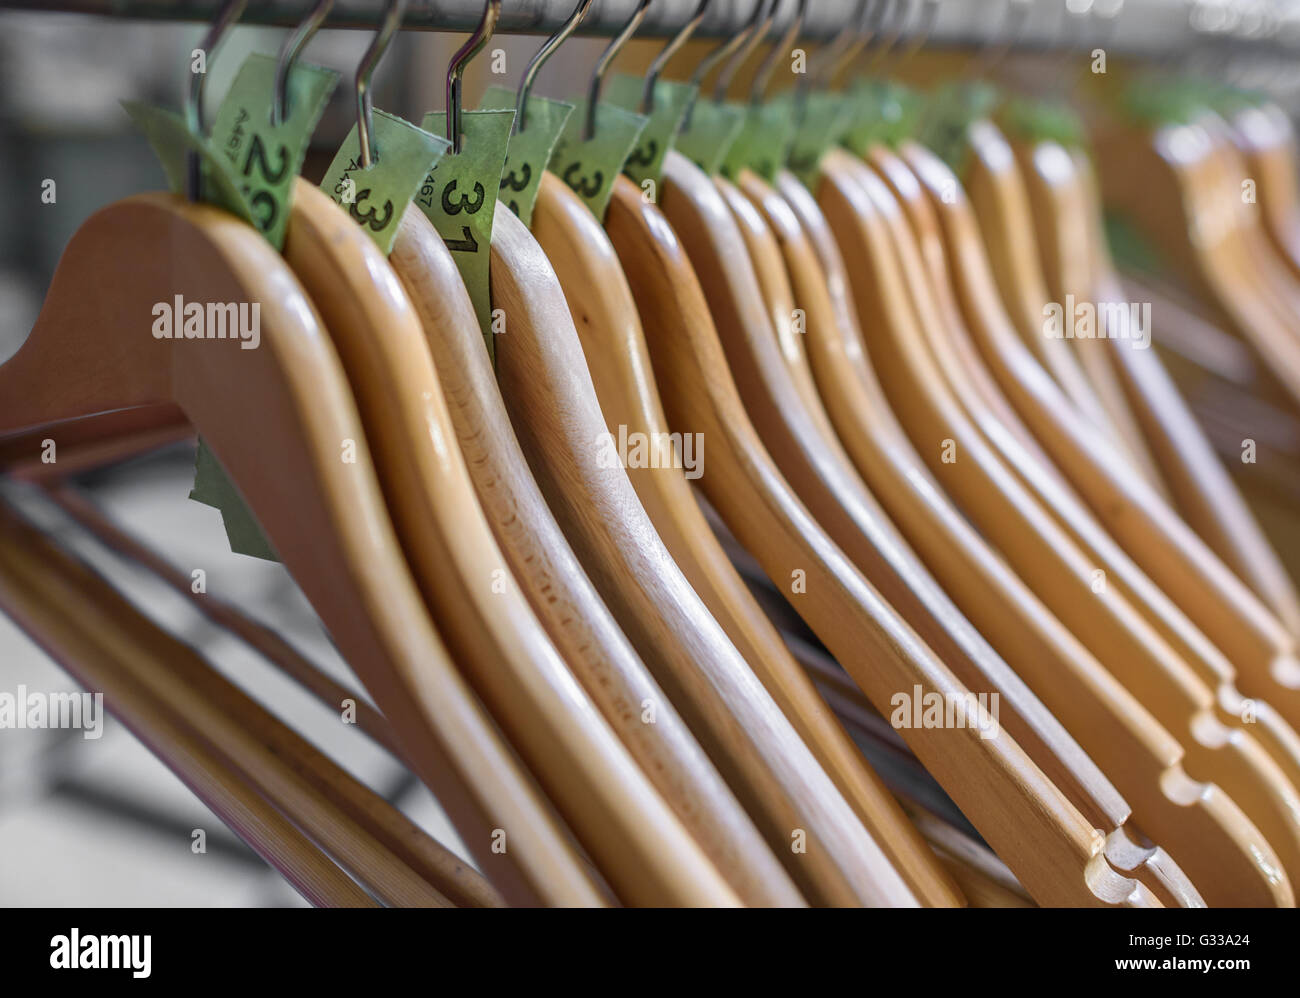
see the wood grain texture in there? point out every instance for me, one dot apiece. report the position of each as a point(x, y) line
point(605, 317)
point(61, 606)
point(557, 588)
point(1264, 787)
point(637, 842)
point(553, 406)
point(1010, 800)
point(429, 860)
point(1010, 222)
point(276, 417)
point(859, 207)
point(1042, 652)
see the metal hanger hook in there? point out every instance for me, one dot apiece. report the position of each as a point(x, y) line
point(456, 71)
point(543, 54)
point(716, 56)
point(782, 46)
point(751, 42)
point(289, 52)
point(366, 69)
point(671, 49)
point(230, 13)
point(605, 61)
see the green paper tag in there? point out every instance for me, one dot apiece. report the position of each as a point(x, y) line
point(824, 120)
point(376, 198)
point(949, 113)
point(265, 157)
point(212, 487)
point(530, 149)
point(709, 133)
point(882, 113)
point(459, 196)
point(1042, 121)
point(646, 161)
point(591, 166)
point(171, 140)
point(764, 140)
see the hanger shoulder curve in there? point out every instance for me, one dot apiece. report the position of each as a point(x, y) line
point(549, 573)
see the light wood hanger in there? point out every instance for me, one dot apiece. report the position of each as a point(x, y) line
point(1042, 651)
point(1246, 777)
point(349, 821)
point(555, 584)
point(1247, 551)
point(636, 841)
point(285, 405)
point(54, 608)
point(994, 166)
point(1167, 181)
point(1265, 137)
point(605, 317)
point(1207, 498)
point(856, 203)
point(1001, 203)
point(1161, 545)
point(553, 407)
point(994, 783)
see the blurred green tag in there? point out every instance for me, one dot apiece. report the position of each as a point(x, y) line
point(530, 149)
point(590, 166)
point(764, 140)
point(459, 197)
point(171, 140)
point(264, 157)
point(377, 197)
point(881, 112)
point(646, 161)
point(824, 119)
point(708, 133)
point(213, 487)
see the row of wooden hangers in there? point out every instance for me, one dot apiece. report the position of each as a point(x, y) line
point(970, 507)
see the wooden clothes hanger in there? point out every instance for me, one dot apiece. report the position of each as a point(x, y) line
point(971, 274)
point(364, 834)
point(635, 840)
point(1166, 179)
point(557, 418)
point(1070, 187)
point(971, 571)
point(1207, 497)
point(1264, 135)
point(1002, 204)
point(555, 584)
point(286, 405)
point(855, 201)
point(992, 780)
point(605, 316)
point(1160, 543)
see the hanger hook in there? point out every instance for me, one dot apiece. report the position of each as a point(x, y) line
point(743, 53)
point(839, 53)
point(289, 52)
point(539, 60)
point(768, 66)
point(378, 46)
point(456, 71)
point(671, 49)
point(605, 61)
point(717, 55)
point(230, 13)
